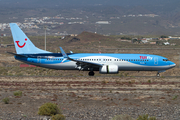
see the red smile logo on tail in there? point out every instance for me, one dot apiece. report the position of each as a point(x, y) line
point(21, 46)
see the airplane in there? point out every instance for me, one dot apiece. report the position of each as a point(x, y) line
point(105, 63)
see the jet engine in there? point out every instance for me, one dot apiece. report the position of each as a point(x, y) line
point(108, 69)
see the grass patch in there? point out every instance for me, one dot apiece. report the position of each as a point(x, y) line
point(6, 100)
point(58, 117)
point(49, 109)
point(122, 117)
point(146, 117)
point(175, 97)
point(18, 93)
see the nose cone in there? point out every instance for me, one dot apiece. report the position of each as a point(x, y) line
point(172, 64)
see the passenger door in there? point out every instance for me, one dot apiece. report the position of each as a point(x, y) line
point(39, 59)
point(156, 61)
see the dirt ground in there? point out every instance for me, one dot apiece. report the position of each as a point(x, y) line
point(91, 98)
point(81, 97)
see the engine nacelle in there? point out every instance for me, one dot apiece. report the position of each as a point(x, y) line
point(108, 69)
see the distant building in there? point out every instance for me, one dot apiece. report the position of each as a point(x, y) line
point(73, 35)
point(174, 37)
point(166, 39)
point(4, 35)
point(103, 22)
point(146, 40)
point(166, 43)
point(153, 43)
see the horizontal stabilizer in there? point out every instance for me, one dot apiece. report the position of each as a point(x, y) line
point(16, 54)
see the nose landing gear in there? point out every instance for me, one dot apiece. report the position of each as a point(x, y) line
point(158, 75)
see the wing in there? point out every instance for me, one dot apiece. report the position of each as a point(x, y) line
point(86, 63)
point(81, 64)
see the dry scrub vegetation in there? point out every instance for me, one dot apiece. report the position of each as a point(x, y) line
point(82, 97)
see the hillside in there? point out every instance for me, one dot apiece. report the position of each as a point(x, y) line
point(66, 3)
point(91, 37)
point(166, 22)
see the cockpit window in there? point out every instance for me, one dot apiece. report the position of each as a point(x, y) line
point(165, 60)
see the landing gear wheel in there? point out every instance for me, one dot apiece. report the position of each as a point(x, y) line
point(158, 75)
point(91, 73)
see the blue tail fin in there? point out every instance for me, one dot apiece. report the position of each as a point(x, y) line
point(22, 43)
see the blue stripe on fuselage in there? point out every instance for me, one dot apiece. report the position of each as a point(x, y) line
point(54, 58)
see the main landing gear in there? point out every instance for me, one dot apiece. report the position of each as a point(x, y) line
point(91, 73)
point(158, 75)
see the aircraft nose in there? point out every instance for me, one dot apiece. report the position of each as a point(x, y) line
point(172, 64)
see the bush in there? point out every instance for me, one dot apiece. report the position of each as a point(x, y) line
point(146, 117)
point(163, 36)
point(18, 93)
point(175, 97)
point(49, 109)
point(6, 100)
point(58, 117)
point(122, 117)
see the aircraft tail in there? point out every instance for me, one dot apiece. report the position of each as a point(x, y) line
point(22, 43)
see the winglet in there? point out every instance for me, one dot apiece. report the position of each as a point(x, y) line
point(63, 53)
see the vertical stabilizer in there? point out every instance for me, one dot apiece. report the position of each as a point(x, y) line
point(22, 43)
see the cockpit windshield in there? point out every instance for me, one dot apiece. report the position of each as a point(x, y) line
point(165, 60)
